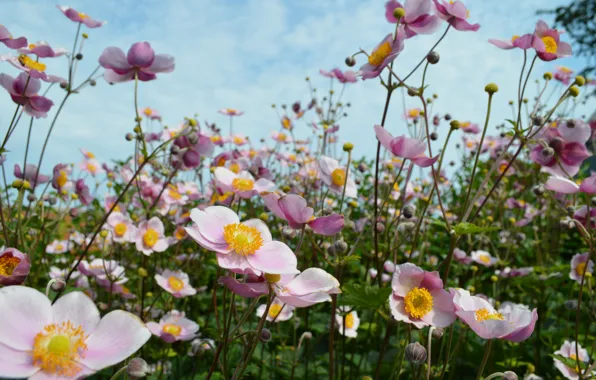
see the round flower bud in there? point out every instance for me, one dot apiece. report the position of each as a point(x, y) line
point(52, 200)
point(433, 57)
point(137, 129)
point(193, 139)
point(474, 268)
point(547, 76)
point(438, 333)
point(264, 216)
point(494, 278)
point(412, 92)
point(79, 56)
point(472, 289)
point(538, 120)
point(509, 375)
point(416, 353)
point(380, 227)
point(137, 368)
point(85, 35)
point(73, 212)
point(92, 82)
point(341, 246)
point(408, 212)
point(548, 152)
point(570, 210)
point(265, 335)
point(63, 85)
point(58, 285)
point(454, 125)
point(447, 116)
point(192, 122)
point(580, 80)
point(128, 137)
point(574, 91)
point(399, 13)
point(350, 61)
point(103, 234)
point(142, 272)
point(491, 88)
point(289, 233)
point(511, 102)
point(434, 136)
point(31, 197)
point(348, 147)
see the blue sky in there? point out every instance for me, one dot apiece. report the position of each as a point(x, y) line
point(250, 54)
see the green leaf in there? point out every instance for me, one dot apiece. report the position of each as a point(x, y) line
point(364, 296)
point(469, 228)
point(514, 123)
point(439, 223)
point(571, 363)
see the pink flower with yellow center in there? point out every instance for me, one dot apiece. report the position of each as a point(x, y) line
point(382, 55)
point(455, 13)
point(80, 17)
point(242, 247)
point(334, 176)
point(140, 62)
point(521, 42)
point(483, 258)
point(352, 322)
point(175, 283)
point(174, 327)
point(42, 50)
point(122, 228)
point(278, 311)
point(419, 298)
point(230, 112)
point(57, 247)
point(281, 137)
point(243, 183)
point(548, 44)
point(24, 90)
point(65, 340)
point(91, 166)
point(14, 267)
point(150, 237)
point(405, 147)
point(579, 265)
point(514, 323)
point(7, 39)
point(573, 351)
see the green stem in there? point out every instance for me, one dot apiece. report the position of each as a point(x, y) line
point(487, 347)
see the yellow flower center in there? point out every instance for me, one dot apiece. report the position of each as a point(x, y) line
point(419, 302)
point(150, 237)
point(274, 310)
point(174, 194)
point(338, 177)
point(238, 140)
point(7, 265)
point(180, 233)
point(550, 45)
point(147, 111)
point(120, 229)
point(235, 168)
point(172, 329)
point(378, 56)
point(92, 168)
point(414, 112)
point(231, 110)
point(62, 178)
point(350, 321)
point(286, 123)
point(484, 258)
point(282, 137)
point(580, 269)
point(30, 63)
point(82, 15)
point(484, 314)
point(58, 348)
point(272, 278)
point(515, 37)
point(252, 153)
point(59, 247)
point(243, 239)
point(216, 139)
point(243, 184)
point(175, 283)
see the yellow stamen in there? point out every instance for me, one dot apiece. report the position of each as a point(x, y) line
point(418, 302)
point(59, 247)
point(550, 45)
point(180, 233)
point(173, 193)
point(515, 37)
point(175, 283)
point(243, 239)
point(82, 15)
point(148, 111)
point(120, 229)
point(272, 278)
point(282, 137)
point(350, 321)
point(171, 329)
point(338, 177)
point(30, 63)
point(286, 123)
point(58, 349)
point(484, 258)
point(274, 310)
point(62, 178)
point(8, 264)
point(377, 57)
point(580, 269)
point(243, 184)
point(484, 314)
point(235, 168)
point(150, 237)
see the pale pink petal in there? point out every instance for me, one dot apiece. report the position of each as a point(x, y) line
point(327, 225)
point(261, 227)
point(211, 221)
point(384, 137)
point(15, 364)
point(561, 185)
point(248, 290)
point(406, 277)
point(162, 63)
point(274, 257)
point(312, 280)
point(77, 308)
point(235, 262)
point(30, 311)
point(442, 313)
point(295, 209)
point(424, 161)
point(113, 58)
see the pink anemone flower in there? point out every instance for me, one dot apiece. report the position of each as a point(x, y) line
point(123, 230)
point(568, 350)
point(352, 322)
point(382, 55)
point(23, 90)
point(418, 18)
point(243, 183)
point(524, 42)
point(174, 327)
point(30, 174)
point(43, 50)
point(483, 258)
point(294, 209)
point(547, 43)
point(230, 112)
point(141, 61)
point(7, 39)
point(334, 177)
point(405, 147)
point(347, 76)
point(80, 17)
point(150, 237)
point(242, 247)
point(455, 13)
point(516, 325)
point(278, 311)
point(66, 340)
point(14, 267)
point(580, 265)
point(419, 298)
point(176, 283)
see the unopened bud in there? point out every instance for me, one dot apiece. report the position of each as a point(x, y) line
point(193, 139)
point(142, 272)
point(341, 246)
point(547, 76)
point(574, 91)
point(454, 125)
point(548, 152)
point(137, 368)
point(129, 137)
point(509, 375)
point(580, 80)
point(289, 233)
point(265, 335)
point(433, 57)
point(434, 136)
point(399, 13)
point(348, 147)
point(438, 333)
point(380, 227)
point(416, 353)
point(538, 190)
point(408, 212)
point(58, 285)
point(79, 56)
point(350, 61)
point(491, 88)
point(92, 82)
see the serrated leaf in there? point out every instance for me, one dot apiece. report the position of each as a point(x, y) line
point(469, 228)
point(364, 296)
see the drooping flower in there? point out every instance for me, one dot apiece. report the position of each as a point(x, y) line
point(566, 149)
point(122, 228)
point(483, 258)
point(547, 43)
point(150, 236)
point(580, 265)
point(418, 297)
point(334, 177)
point(278, 311)
point(455, 13)
point(14, 267)
point(243, 183)
point(80, 17)
point(352, 322)
point(418, 18)
point(7, 39)
point(515, 325)
point(65, 340)
point(141, 61)
point(174, 326)
point(176, 283)
point(568, 350)
point(242, 247)
point(382, 55)
point(521, 42)
point(294, 209)
point(23, 90)
point(405, 147)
